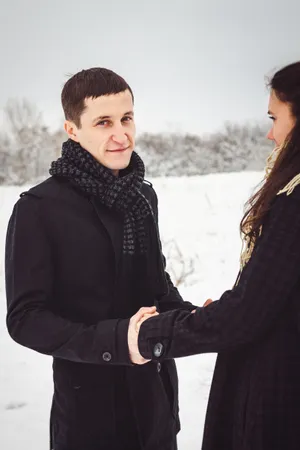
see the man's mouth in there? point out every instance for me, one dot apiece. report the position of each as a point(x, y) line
point(118, 150)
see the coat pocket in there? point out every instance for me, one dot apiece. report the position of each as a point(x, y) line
point(84, 411)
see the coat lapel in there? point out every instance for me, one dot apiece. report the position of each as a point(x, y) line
point(113, 223)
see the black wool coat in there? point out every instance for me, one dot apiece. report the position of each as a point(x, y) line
point(255, 395)
point(65, 299)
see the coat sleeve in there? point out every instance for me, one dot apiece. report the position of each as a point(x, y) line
point(244, 314)
point(173, 299)
point(29, 287)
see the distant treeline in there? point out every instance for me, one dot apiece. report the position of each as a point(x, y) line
point(27, 147)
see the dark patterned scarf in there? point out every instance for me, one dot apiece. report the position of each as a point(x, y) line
point(122, 193)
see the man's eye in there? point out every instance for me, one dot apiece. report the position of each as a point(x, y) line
point(127, 119)
point(103, 122)
point(272, 118)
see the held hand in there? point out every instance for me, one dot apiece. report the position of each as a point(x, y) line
point(145, 317)
point(208, 302)
point(133, 333)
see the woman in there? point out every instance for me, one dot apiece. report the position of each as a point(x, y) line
point(255, 395)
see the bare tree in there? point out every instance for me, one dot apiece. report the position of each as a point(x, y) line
point(180, 268)
point(28, 148)
point(22, 115)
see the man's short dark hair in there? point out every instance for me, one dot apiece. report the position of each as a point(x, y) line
point(90, 83)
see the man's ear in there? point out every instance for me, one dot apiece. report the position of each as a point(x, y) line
point(71, 130)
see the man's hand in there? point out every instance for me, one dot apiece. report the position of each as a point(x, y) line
point(208, 302)
point(133, 333)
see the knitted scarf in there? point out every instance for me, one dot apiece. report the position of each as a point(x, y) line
point(122, 194)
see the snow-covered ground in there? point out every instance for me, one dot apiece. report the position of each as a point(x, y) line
point(202, 214)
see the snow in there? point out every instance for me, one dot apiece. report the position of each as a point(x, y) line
point(202, 214)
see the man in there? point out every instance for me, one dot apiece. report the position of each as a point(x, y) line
point(82, 256)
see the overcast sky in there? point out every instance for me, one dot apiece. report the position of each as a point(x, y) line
point(192, 64)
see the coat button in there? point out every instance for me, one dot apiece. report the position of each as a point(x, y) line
point(158, 350)
point(106, 356)
point(158, 367)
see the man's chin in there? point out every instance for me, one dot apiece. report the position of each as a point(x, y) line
point(119, 164)
point(117, 167)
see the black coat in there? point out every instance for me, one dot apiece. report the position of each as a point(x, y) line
point(65, 299)
point(255, 395)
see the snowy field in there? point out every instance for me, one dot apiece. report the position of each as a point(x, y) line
point(202, 214)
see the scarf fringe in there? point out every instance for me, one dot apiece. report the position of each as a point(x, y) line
point(289, 188)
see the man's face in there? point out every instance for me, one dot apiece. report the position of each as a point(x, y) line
point(107, 130)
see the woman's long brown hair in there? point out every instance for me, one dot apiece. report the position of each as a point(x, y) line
point(286, 85)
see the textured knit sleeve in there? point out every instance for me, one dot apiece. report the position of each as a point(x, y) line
point(29, 288)
point(248, 311)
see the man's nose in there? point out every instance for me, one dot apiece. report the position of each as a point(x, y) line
point(119, 136)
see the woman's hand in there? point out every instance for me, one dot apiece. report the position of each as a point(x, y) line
point(208, 302)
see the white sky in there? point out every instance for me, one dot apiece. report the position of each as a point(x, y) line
point(192, 64)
